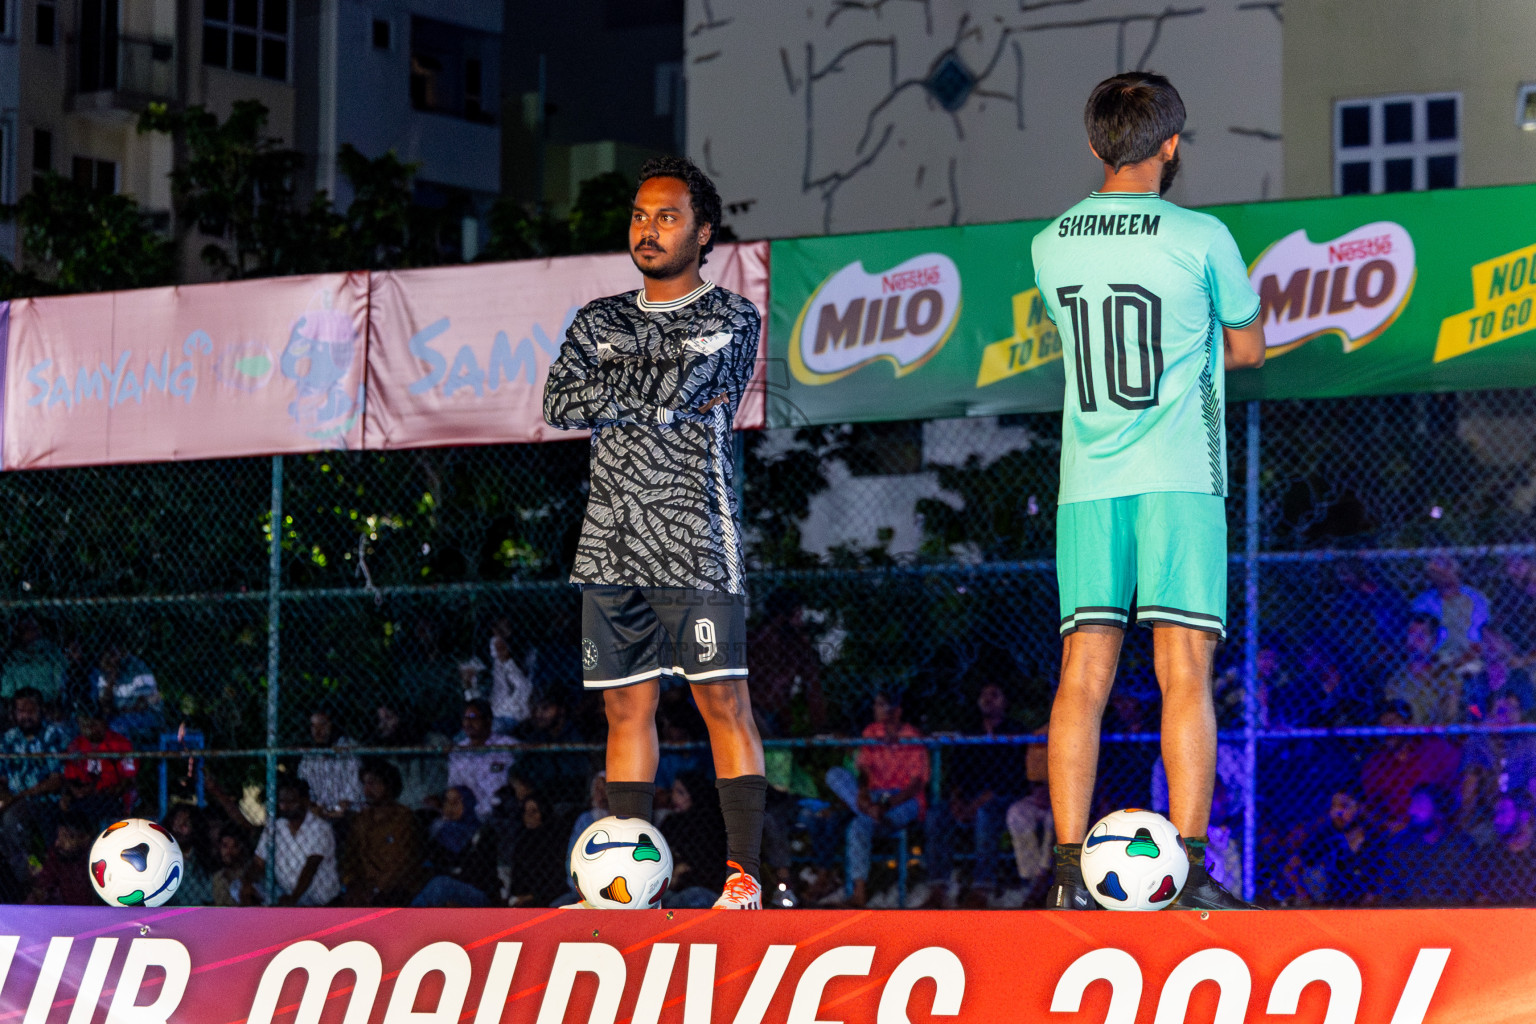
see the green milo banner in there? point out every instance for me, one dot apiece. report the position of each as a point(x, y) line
point(1419, 291)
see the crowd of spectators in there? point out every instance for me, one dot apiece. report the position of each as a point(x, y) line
point(419, 804)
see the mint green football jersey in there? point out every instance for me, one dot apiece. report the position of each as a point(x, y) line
point(1139, 289)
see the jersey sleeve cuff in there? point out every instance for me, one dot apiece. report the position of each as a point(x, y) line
point(1239, 324)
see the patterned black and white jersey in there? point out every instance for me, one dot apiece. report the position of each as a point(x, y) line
point(648, 378)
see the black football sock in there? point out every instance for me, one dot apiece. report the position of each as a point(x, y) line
point(632, 799)
point(1067, 863)
point(741, 804)
point(1194, 848)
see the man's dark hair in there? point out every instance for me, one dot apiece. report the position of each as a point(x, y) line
point(1131, 115)
point(295, 785)
point(702, 193)
point(386, 772)
point(31, 693)
point(480, 705)
point(1425, 619)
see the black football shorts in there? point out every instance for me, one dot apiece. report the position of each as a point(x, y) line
point(631, 634)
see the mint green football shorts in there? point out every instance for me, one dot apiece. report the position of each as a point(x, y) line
point(1168, 549)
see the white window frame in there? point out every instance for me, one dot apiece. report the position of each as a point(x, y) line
point(262, 34)
point(1525, 106)
point(1378, 152)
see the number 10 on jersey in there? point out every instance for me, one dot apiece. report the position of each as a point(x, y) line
point(1133, 345)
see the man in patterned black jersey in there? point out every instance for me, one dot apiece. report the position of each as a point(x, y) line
point(657, 374)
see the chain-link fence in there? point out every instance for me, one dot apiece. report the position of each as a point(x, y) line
point(1373, 693)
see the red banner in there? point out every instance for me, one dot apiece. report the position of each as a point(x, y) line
point(459, 355)
point(209, 966)
point(210, 371)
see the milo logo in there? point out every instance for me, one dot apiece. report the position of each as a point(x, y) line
point(1353, 286)
point(902, 315)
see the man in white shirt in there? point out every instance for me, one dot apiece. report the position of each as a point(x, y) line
point(483, 771)
point(306, 850)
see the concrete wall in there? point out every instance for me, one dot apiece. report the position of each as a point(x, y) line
point(819, 117)
point(1354, 49)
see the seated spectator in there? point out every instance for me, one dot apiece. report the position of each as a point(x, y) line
point(597, 809)
point(786, 669)
point(34, 662)
point(695, 831)
point(1496, 763)
point(238, 880)
point(29, 802)
point(101, 789)
point(429, 679)
point(887, 794)
point(538, 875)
point(381, 865)
point(557, 775)
point(1401, 764)
point(511, 694)
point(334, 788)
point(1428, 863)
point(1514, 607)
point(65, 878)
point(1032, 827)
point(1430, 686)
point(479, 759)
point(1506, 874)
point(1327, 693)
point(129, 697)
point(307, 874)
point(678, 722)
point(980, 784)
point(1343, 860)
point(423, 777)
point(1366, 614)
point(1461, 611)
point(1493, 674)
point(185, 822)
point(461, 856)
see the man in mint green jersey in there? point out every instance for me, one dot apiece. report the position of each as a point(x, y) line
point(1153, 304)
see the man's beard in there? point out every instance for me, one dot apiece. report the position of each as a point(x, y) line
point(1170, 171)
point(671, 265)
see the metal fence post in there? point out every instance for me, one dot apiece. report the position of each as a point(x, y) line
point(1251, 539)
point(274, 648)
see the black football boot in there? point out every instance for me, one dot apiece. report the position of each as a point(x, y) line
point(1069, 892)
point(1201, 891)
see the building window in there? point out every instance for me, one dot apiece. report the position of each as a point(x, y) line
point(450, 65)
point(382, 34)
point(1397, 144)
point(42, 154)
point(1525, 108)
point(249, 36)
point(47, 19)
point(97, 175)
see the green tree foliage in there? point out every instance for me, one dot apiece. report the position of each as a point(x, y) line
point(240, 185)
point(77, 239)
point(599, 222)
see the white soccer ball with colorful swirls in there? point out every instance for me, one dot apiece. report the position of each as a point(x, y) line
point(136, 863)
point(1134, 860)
point(621, 864)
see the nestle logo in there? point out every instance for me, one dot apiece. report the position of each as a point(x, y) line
point(906, 280)
point(1359, 249)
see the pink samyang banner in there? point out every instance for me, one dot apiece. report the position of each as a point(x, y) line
point(459, 355)
point(208, 371)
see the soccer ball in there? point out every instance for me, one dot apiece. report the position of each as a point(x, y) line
point(1134, 860)
point(136, 863)
point(621, 864)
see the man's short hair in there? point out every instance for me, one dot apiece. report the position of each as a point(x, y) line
point(31, 693)
point(1131, 115)
point(386, 772)
point(702, 194)
point(295, 785)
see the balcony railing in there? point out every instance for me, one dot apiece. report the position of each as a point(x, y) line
point(125, 71)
